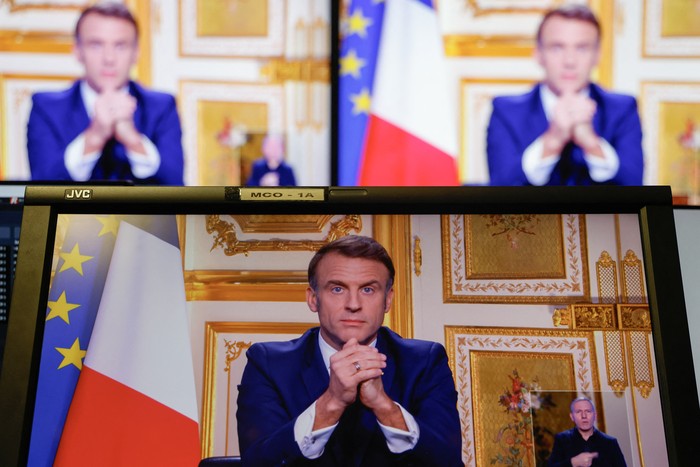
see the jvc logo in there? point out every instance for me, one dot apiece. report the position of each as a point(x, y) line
point(74, 193)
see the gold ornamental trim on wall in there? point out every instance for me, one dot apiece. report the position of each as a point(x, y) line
point(226, 234)
point(507, 275)
point(593, 317)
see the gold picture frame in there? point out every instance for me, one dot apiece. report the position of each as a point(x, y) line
point(475, 97)
point(229, 33)
point(15, 100)
point(485, 360)
point(226, 122)
point(224, 361)
point(507, 274)
point(671, 112)
point(670, 29)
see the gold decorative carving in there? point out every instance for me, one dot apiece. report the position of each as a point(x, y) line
point(606, 274)
point(634, 317)
point(593, 317)
point(233, 351)
point(616, 367)
point(417, 256)
point(632, 279)
point(640, 361)
point(308, 70)
point(459, 287)
point(226, 236)
point(561, 317)
point(266, 223)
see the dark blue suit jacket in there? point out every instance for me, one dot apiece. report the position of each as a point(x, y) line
point(282, 379)
point(517, 121)
point(570, 443)
point(57, 118)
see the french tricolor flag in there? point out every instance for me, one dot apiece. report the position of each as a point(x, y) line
point(135, 401)
point(407, 134)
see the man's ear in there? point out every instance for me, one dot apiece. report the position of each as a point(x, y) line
point(389, 299)
point(312, 299)
point(77, 53)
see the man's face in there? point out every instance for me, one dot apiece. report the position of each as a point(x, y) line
point(108, 48)
point(351, 300)
point(568, 51)
point(583, 416)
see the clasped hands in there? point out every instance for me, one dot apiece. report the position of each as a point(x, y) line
point(356, 372)
point(572, 120)
point(113, 117)
point(585, 459)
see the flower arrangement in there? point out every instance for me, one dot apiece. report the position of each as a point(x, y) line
point(232, 135)
point(516, 439)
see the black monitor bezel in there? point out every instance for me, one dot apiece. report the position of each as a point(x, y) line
point(654, 206)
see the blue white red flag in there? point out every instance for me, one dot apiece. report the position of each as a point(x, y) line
point(135, 396)
point(396, 126)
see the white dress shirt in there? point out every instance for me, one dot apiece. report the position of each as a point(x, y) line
point(538, 169)
point(80, 165)
point(312, 443)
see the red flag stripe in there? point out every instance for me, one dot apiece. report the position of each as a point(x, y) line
point(146, 431)
point(393, 156)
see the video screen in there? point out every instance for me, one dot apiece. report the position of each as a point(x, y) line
point(534, 310)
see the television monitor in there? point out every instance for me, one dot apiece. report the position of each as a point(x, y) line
point(11, 200)
point(566, 291)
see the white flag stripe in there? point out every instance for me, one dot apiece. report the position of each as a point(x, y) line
point(410, 84)
point(141, 334)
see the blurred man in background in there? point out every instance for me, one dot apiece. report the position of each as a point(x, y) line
point(567, 130)
point(271, 169)
point(105, 126)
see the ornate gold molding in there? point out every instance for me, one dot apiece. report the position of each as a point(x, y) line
point(417, 256)
point(593, 317)
point(615, 362)
point(640, 356)
point(606, 274)
point(633, 290)
point(561, 317)
point(634, 317)
point(308, 70)
point(226, 235)
point(272, 286)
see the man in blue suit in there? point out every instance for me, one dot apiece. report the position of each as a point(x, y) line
point(567, 130)
point(105, 126)
point(350, 393)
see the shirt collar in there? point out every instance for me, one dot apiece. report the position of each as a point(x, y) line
point(327, 351)
point(549, 99)
point(89, 96)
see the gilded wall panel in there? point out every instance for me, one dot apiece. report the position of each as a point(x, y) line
point(515, 258)
point(501, 372)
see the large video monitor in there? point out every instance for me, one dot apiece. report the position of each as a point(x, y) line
point(565, 291)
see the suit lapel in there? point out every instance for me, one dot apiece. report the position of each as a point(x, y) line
point(536, 123)
point(314, 373)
